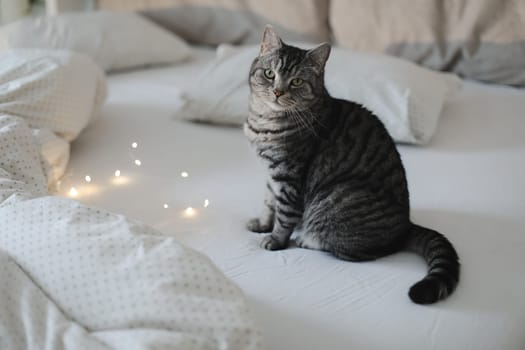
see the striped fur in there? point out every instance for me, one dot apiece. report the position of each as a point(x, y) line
point(333, 169)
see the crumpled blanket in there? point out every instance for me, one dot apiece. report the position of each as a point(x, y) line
point(76, 277)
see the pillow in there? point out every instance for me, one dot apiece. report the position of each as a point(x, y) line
point(478, 39)
point(115, 41)
point(407, 98)
point(58, 93)
point(51, 89)
point(215, 22)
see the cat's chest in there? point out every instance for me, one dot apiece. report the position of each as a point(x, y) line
point(270, 134)
point(272, 153)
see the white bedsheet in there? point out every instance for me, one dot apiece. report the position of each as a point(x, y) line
point(78, 277)
point(468, 184)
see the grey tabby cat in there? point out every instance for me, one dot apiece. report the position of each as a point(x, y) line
point(333, 169)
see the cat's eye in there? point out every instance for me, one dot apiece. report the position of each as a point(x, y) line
point(269, 74)
point(297, 82)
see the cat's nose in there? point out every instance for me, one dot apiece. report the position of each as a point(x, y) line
point(278, 92)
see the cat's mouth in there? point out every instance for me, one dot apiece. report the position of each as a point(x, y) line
point(277, 106)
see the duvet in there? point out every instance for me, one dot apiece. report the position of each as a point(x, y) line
point(77, 277)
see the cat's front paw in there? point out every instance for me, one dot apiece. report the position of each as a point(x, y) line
point(256, 226)
point(270, 243)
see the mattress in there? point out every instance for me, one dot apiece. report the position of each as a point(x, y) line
point(201, 183)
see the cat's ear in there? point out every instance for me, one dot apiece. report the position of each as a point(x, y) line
point(319, 55)
point(270, 41)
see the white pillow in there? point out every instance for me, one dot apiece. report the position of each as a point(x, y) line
point(51, 89)
point(114, 40)
point(57, 92)
point(407, 98)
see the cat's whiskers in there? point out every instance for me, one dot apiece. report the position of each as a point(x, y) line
point(315, 118)
point(306, 121)
point(294, 120)
point(300, 121)
point(297, 120)
point(303, 121)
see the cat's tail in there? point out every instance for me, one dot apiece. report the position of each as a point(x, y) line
point(443, 265)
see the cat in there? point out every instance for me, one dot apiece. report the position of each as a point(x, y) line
point(334, 170)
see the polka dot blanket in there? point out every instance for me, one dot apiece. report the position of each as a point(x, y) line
point(76, 277)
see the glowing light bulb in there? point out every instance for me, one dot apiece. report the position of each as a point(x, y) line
point(117, 173)
point(206, 203)
point(134, 145)
point(87, 178)
point(73, 192)
point(166, 206)
point(184, 174)
point(189, 211)
point(138, 162)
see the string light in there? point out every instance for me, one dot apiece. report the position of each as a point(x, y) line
point(206, 203)
point(87, 178)
point(73, 192)
point(134, 145)
point(138, 162)
point(189, 211)
point(184, 174)
point(166, 206)
point(117, 173)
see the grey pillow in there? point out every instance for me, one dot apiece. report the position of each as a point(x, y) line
point(233, 21)
point(477, 39)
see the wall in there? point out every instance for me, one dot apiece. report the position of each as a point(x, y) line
point(56, 6)
point(11, 10)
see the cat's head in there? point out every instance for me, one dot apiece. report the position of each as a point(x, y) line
point(285, 77)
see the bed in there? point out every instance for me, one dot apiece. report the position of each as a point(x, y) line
point(467, 183)
point(152, 179)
